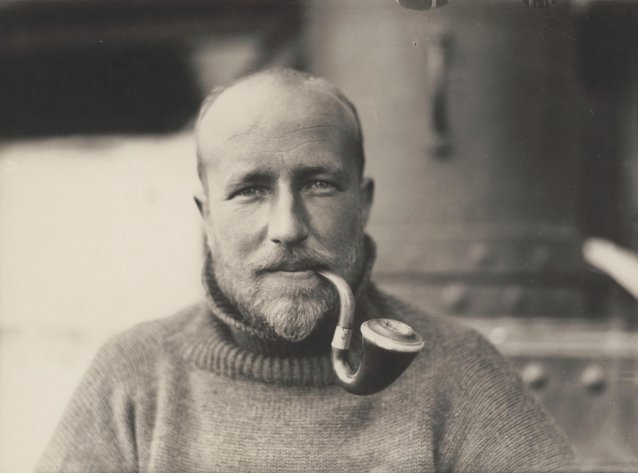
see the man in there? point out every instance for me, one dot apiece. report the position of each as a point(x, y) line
point(243, 382)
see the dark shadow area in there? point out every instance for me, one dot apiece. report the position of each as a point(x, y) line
point(93, 88)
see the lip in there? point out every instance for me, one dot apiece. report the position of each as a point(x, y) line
point(301, 274)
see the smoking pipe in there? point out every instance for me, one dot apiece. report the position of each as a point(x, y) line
point(388, 346)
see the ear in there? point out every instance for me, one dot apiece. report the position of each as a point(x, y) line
point(200, 201)
point(367, 196)
point(202, 205)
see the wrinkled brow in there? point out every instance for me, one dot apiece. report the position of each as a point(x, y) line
point(262, 176)
point(336, 172)
point(268, 176)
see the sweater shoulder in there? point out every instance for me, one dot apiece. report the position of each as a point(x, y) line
point(134, 353)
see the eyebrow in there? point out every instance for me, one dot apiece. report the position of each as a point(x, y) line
point(320, 169)
point(309, 171)
point(252, 177)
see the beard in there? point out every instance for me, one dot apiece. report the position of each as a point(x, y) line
point(277, 308)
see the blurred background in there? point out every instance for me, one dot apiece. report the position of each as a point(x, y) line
point(500, 138)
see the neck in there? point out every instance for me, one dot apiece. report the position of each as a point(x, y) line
point(259, 341)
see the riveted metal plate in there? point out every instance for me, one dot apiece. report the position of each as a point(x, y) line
point(488, 248)
point(585, 374)
point(475, 299)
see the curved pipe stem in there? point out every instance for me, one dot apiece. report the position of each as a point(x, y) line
point(343, 332)
point(345, 374)
point(346, 299)
point(387, 349)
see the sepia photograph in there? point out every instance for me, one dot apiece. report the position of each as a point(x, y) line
point(318, 236)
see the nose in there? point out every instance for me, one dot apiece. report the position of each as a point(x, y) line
point(287, 225)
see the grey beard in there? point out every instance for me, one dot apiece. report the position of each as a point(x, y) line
point(288, 313)
point(292, 315)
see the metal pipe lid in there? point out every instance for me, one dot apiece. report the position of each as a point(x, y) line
point(392, 335)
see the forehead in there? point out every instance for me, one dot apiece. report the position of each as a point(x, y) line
point(300, 124)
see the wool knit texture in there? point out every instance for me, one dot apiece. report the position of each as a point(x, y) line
point(200, 392)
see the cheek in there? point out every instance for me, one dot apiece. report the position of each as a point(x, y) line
point(235, 231)
point(338, 223)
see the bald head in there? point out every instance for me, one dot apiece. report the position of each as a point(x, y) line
point(270, 104)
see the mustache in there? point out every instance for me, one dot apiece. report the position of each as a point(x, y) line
point(294, 259)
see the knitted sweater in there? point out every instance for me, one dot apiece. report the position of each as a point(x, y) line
point(198, 392)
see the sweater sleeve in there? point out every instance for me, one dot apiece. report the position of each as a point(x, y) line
point(97, 430)
point(494, 424)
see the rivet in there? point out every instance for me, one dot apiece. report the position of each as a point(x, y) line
point(535, 376)
point(498, 335)
point(480, 255)
point(593, 379)
point(456, 298)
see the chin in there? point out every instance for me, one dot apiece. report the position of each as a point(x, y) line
point(287, 309)
point(295, 316)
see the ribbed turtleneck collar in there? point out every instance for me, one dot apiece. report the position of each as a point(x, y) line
point(260, 342)
point(213, 339)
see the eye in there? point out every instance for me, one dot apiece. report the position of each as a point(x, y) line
point(321, 187)
point(250, 192)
